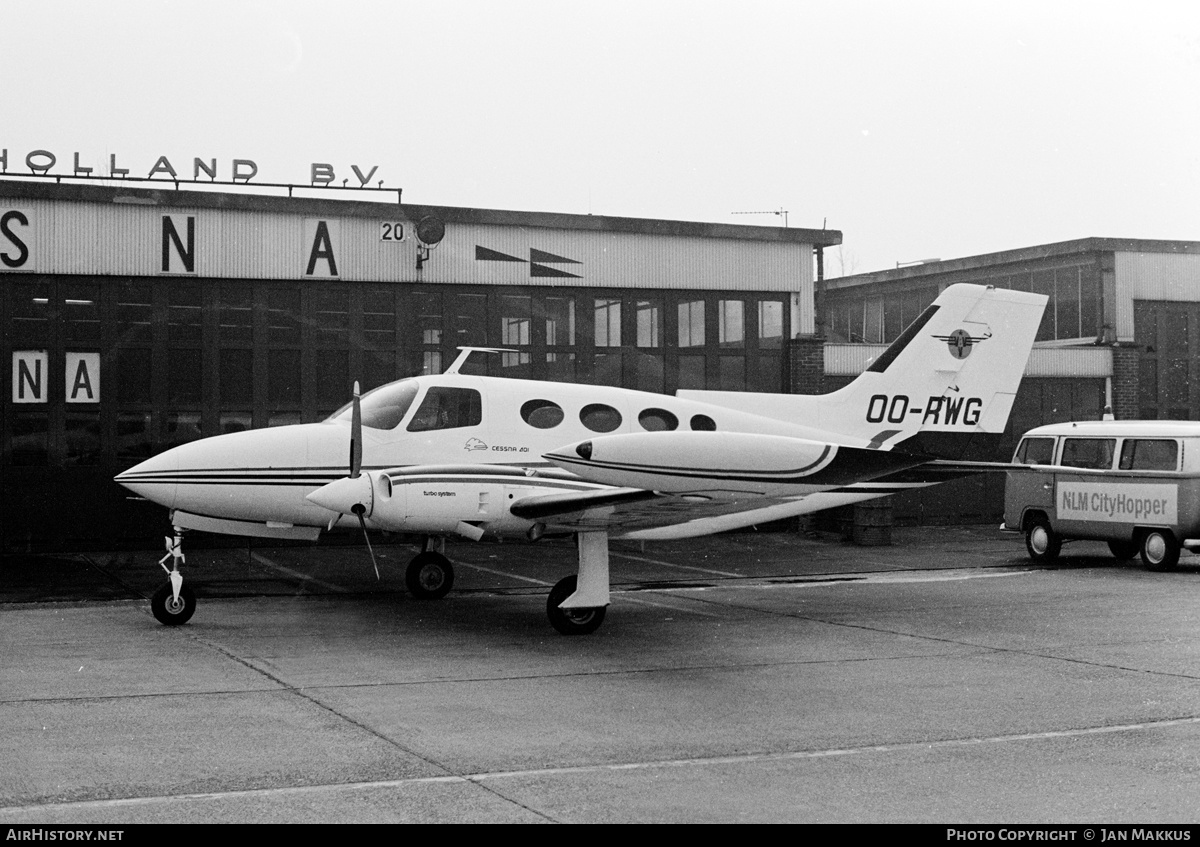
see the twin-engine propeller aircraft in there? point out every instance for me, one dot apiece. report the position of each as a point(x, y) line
point(466, 456)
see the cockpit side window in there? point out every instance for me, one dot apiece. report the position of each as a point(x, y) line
point(447, 408)
point(383, 407)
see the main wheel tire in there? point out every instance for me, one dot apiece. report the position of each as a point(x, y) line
point(1123, 550)
point(1042, 542)
point(1160, 550)
point(167, 610)
point(571, 621)
point(429, 576)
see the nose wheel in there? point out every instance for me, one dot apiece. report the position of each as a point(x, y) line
point(173, 610)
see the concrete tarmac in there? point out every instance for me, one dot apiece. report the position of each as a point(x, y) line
point(764, 677)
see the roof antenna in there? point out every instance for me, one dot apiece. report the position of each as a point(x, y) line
point(780, 211)
point(458, 363)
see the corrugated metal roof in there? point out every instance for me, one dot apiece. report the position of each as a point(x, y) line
point(1017, 256)
point(124, 238)
point(87, 193)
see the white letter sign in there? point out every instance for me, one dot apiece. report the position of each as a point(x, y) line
point(83, 378)
point(29, 372)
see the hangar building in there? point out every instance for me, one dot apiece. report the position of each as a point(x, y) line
point(137, 318)
point(1121, 331)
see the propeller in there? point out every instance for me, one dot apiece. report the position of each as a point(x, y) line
point(359, 509)
point(354, 491)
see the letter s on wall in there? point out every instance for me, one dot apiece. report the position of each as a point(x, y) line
point(22, 255)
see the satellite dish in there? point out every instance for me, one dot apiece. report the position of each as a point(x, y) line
point(430, 230)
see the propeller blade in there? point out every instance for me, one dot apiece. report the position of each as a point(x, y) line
point(356, 435)
point(362, 521)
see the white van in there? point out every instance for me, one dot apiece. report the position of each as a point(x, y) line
point(1137, 487)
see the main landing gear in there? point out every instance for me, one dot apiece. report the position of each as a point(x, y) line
point(576, 604)
point(429, 575)
point(174, 603)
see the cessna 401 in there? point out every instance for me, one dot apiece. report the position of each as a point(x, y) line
point(464, 456)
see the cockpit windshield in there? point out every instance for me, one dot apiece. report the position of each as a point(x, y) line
point(383, 407)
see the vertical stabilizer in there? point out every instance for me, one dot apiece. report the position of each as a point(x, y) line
point(953, 372)
point(955, 369)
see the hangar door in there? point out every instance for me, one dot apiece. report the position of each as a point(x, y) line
point(1168, 338)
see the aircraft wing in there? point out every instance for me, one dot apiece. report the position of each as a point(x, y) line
point(682, 484)
point(638, 513)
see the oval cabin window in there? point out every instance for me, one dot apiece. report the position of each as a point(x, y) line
point(703, 423)
point(542, 414)
point(600, 418)
point(658, 420)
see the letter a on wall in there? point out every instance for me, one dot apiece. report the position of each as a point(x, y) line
point(83, 378)
point(29, 375)
point(320, 239)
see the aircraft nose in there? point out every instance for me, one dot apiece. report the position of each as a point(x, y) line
point(156, 479)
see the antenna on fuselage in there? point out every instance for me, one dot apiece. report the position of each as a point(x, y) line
point(467, 351)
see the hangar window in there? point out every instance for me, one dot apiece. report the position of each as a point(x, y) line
point(235, 421)
point(657, 420)
point(133, 435)
point(30, 439)
point(600, 418)
point(185, 312)
point(691, 323)
point(235, 315)
point(770, 324)
point(81, 438)
point(608, 322)
point(384, 407)
point(182, 427)
point(447, 408)
point(542, 414)
point(81, 312)
point(1095, 453)
point(731, 323)
point(703, 423)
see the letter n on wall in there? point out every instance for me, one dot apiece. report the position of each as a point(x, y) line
point(178, 244)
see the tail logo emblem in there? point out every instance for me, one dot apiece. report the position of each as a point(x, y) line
point(960, 342)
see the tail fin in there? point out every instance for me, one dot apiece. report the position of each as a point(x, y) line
point(954, 370)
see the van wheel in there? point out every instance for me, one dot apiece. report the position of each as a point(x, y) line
point(1160, 550)
point(1042, 542)
point(1123, 550)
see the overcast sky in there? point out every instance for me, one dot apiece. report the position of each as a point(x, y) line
point(919, 129)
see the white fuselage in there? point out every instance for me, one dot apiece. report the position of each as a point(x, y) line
point(422, 480)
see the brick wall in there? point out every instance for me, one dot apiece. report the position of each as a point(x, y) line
point(806, 356)
point(1125, 383)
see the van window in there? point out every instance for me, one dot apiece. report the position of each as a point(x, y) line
point(1035, 451)
point(1094, 453)
point(1149, 454)
point(447, 408)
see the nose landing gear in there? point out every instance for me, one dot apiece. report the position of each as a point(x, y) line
point(174, 603)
